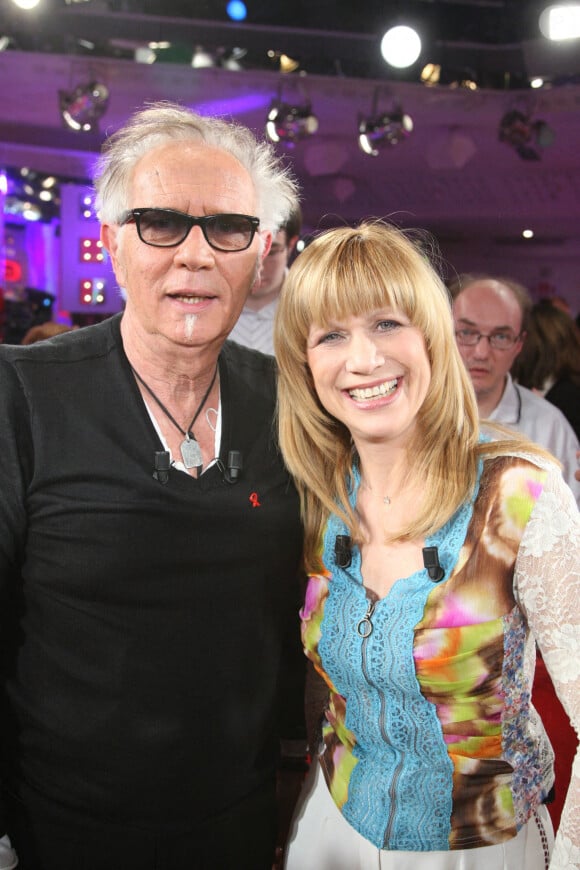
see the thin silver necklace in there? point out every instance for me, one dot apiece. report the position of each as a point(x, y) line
point(190, 449)
point(384, 498)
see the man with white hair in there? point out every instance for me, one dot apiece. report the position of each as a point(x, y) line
point(150, 536)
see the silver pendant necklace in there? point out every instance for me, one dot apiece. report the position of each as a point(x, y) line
point(190, 449)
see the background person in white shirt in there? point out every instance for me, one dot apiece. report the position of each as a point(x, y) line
point(256, 322)
point(490, 325)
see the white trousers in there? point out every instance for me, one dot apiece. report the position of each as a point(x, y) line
point(321, 839)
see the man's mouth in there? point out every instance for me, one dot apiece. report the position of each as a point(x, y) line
point(384, 389)
point(189, 300)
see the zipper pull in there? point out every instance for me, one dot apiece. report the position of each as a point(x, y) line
point(365, 626)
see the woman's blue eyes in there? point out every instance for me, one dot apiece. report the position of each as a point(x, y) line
point(380, 326)
point(330, 336)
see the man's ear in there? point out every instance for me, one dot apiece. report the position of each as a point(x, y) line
point(267, 241)
point(109, 238)
point(267, 244)
point(518, 346)
point(292, 243)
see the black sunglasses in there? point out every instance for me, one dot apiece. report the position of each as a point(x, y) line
point(167, 228)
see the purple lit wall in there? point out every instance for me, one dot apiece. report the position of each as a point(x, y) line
point(87, 282)
point(16, 257)
point(43, 249)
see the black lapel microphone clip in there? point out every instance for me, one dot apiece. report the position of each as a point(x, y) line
point(231, 473)
point(162, 466)
point(342, 551)
point(432, 564)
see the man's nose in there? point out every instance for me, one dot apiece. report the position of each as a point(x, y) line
point(195, 250)
point(482, 346)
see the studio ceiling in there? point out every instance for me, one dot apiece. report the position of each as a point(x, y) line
point(452, 174)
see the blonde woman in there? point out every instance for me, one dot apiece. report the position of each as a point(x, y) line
point(437, 555)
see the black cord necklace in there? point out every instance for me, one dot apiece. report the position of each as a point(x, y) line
point(190, 449)
point(519, 395)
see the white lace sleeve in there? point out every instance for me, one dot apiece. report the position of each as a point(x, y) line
point(548, 588)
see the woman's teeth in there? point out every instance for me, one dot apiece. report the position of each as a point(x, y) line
point(374, 392)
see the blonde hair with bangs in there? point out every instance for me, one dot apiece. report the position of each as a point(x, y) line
point(347, 272)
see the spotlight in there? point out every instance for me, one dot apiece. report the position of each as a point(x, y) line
point(236, 10)
point(561, 21)
point(288, 123)
point(82, 108)
point(201, 58)
point(288, 64)
point(401, 46)
point(431, 74)
point(26, 4)
point(232, 60)
point(519, 131)
point(283, 62)
point(387, 129)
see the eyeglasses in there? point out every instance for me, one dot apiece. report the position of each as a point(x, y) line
point(167, 228)
point(497, 340)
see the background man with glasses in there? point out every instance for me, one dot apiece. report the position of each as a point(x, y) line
point(491, 316)
point(149, 534)
point(490, 326)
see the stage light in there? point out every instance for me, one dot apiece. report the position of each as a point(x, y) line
point(201, 58)
point(31, 212)
point(431, 74)
point(82, 108)
point(521, 132)
point(26, 4)
point(288, 64)
point(561, 21)
point(289, 123)
point(144, 54)
point(232, 60)
point(385, 130)
point(236, 10)
point(92, 291)
point(401, 46)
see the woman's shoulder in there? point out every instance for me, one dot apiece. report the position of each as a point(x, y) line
point(518, 472)
point(520, 478)
point(522, 458)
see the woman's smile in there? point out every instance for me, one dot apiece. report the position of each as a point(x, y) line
point(371, 372)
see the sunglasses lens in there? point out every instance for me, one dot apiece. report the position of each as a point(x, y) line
point(229, 232)
point(159, 227)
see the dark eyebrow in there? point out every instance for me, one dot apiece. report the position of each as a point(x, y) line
point(494, 328)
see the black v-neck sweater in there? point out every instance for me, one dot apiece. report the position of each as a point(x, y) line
point(144, 625)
